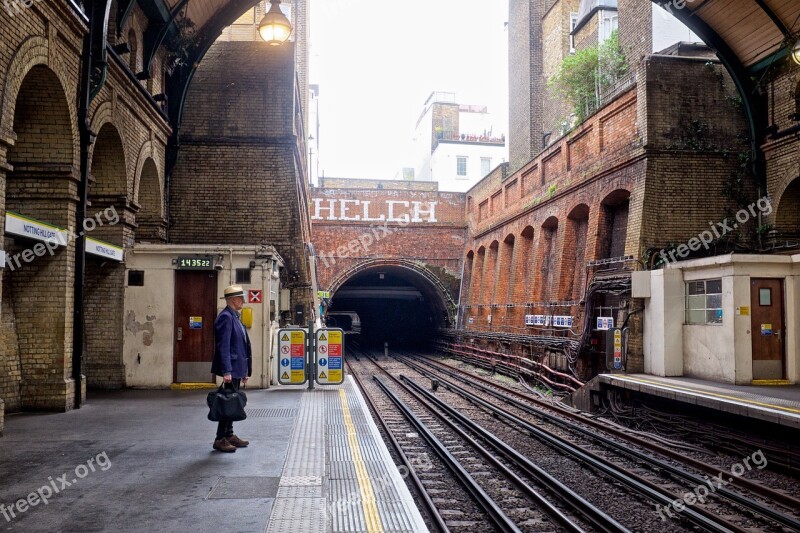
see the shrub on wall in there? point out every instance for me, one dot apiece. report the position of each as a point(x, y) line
point(586, 75)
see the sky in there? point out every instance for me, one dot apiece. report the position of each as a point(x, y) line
point(376, 62)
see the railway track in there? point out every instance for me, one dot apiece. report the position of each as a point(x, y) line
point(511, 501)
point(630, 446)
point(577, 474)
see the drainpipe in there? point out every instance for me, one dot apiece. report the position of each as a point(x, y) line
point(266, 288)
point(86, 138)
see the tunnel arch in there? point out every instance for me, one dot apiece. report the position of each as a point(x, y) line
point(420, 302)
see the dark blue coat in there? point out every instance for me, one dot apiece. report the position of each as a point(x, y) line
point(232, 353)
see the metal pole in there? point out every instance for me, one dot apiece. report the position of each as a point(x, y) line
point(78, 317)
point(312, 341)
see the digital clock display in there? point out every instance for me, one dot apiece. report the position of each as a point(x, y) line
point(201, 262)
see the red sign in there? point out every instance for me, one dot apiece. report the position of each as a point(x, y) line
point(254, 297)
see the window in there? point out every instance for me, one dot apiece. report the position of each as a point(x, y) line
point(486, 165)
point(573, 22)
point(704, 302)
point(135, 278)
point(610, 23)
point(242, 275)
point(461, 165)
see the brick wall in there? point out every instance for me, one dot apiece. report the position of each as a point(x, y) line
point(782, 152)
point(239, 177)
point(636, 162)
point(435, 241)
point(525, 80)
point(556, 39)
point(39, 61)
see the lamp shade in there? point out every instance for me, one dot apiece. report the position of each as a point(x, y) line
point(275, 28)
point(796, 52)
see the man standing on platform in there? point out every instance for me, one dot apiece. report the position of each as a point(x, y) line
point(233, 360)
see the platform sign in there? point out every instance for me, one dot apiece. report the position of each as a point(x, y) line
point(329, 356)
point(615, 351)
point(291, 356)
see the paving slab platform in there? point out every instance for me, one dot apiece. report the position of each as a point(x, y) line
point(142, 461)
point(778, 404)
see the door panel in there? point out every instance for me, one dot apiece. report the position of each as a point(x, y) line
point(195, 311)
point(766, 303)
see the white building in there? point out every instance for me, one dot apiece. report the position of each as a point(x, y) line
point(456, 145)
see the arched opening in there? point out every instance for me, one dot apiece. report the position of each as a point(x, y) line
point(107, 222)
point(150, 219)
point(35, 345)
point(522, 289)
point(547, 259)
point(613, 224)
point(395, 304)
point(507, 276)
point(787, 216)
point(490, 274)
point(477, 278)
point(573, 257)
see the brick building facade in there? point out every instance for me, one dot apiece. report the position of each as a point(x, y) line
point(131, 167)
point(40, 50)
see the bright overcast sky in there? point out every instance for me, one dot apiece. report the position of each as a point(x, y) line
point(377, 61)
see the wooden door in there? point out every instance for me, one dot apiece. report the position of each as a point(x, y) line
point(195, 311)
point(766, 301)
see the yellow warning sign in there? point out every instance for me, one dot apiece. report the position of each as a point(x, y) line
point(335, 337)
point(322, 337)
point(322, 375)
point(298, 337)
point(285, 337)
point(335, 376)
point(298, 376)
point(285, 375)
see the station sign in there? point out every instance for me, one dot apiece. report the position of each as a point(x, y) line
point(291, 356)
point(37, 230)
point(104, 249)
point(329, 356)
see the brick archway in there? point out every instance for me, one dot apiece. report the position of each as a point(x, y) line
point(37, 282)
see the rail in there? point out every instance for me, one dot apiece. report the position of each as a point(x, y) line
point(753, 505)
point(699, 516)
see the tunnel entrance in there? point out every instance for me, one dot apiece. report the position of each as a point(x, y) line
point(394, 304)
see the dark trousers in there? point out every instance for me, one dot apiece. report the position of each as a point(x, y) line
point(225, 427)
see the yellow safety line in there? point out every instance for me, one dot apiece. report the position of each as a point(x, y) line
point(374, 524)
point(702, 392)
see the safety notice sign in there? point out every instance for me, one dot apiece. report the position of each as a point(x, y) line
point(291, 356)
point(328, 356)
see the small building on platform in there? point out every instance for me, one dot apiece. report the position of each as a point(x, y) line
point(731, 318)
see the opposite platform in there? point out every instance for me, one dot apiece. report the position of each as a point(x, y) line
point(778, 404)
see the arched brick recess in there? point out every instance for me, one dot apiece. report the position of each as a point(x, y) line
point(35, 52)
point(37, 293)
point(573, 254)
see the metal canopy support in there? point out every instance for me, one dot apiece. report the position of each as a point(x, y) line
point(156, 33)
point(93, 75)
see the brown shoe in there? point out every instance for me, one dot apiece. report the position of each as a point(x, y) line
point(236, 441)
point(224, 446)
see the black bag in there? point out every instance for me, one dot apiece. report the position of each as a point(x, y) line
point(226, 404)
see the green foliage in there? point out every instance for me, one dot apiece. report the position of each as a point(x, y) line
point(182, 42)
point(584, 76)
point(551, 190)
